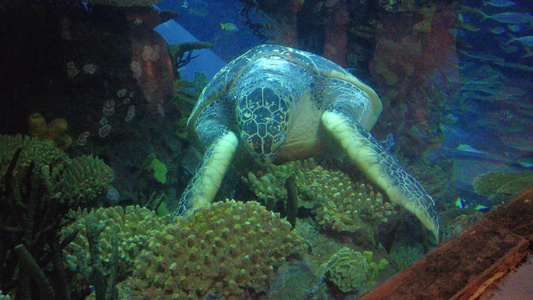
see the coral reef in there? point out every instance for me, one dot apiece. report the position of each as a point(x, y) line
point(228, 249)
point(409, 65)
point(30, 219)
point(132, 227)
point(340, 204)
point(354, 207)
point(82, 178)
point(336, 38)
point(85, 178)
point(40, 184)
point(56, 130)
point(34, 150)
point(352, 270)
point(347, 269)
point(269, 184)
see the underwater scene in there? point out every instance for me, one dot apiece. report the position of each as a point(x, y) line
point(252, 149)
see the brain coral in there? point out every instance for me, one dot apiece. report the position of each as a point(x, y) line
point(133, 226)
point(229, 249)
point(347, 269)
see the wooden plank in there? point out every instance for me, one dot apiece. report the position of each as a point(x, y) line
point(461, 268)
point(517, 215)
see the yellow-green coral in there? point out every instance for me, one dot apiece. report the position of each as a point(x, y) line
point(41, 152)
point(227, 249)
point(352, 270)
point(347, 269)
point(133, 226)
point(309, 177)
point(353, 207)
point(81, 180)
point(341, 205)
point(85, 178)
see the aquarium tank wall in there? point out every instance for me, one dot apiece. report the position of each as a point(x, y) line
point(223, 149)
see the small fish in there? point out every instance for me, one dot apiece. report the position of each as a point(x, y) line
point(467, 26)
point(468, 148)
point(229, 27)
point(185, 4)
point(509, 48)
point(462, 18)
point(509, 17)
point(465, 204)
point(516, 27)
point(526, 40)
point(498, 30)
point(499, 3)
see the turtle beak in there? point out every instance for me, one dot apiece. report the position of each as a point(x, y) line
point(256, 147)
point(264, 160)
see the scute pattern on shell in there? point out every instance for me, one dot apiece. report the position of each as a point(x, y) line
point(223, 81)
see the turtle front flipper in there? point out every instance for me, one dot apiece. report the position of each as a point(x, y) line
point(202, 189)
point(381, 167)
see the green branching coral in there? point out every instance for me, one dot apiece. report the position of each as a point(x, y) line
point(34, 150)
point(85, 178)
point(76, 181)
point(131, 226)
point(228, 249)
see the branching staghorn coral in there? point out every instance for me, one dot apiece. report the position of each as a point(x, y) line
point(34, 150)
point(76, 181)
point(132, 227)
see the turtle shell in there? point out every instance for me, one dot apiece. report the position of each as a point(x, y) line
point(225, 78)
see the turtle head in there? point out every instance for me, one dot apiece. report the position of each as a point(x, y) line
point(262, 115)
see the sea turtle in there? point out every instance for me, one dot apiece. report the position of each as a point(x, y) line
point(285, 104)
